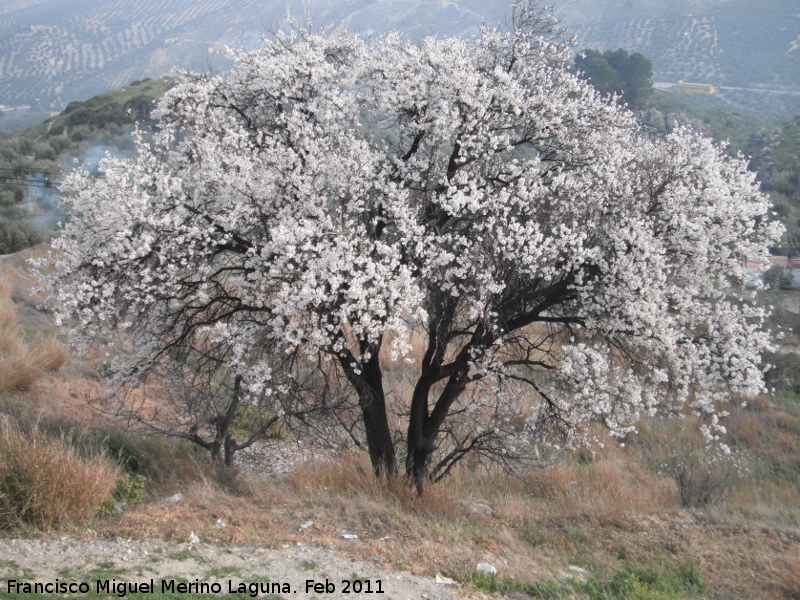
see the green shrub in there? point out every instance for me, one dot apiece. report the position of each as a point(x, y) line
point(164, 462)
point(129, 489)
point(784, 372)
point(43, 152)
point(657, 580)
point(16, 235)
point(78, 135)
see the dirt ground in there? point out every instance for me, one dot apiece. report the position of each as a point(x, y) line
point(300, 567)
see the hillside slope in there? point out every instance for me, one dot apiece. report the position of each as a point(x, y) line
point(52, 52)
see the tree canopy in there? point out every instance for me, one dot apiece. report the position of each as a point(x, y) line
point(617, 72)
point(469, 208)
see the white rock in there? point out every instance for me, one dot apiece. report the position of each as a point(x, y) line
point(477, 507)
point(306, 525)
point(578, 570)
point(487, 568)
point(444, 581)
point(350, 536)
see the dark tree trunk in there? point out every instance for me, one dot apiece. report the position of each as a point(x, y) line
point(425, 424)
point(420, 448)
point(372, 400)
point(213, 449)
point(230, 450)
point(368, 384)
point(223, 423)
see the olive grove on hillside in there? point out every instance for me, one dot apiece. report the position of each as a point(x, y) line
point(331, 195)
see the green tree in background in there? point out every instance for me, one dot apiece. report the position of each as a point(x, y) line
point(616, 71)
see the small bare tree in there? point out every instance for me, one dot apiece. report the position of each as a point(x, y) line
point(704, 471)
point(193, 393)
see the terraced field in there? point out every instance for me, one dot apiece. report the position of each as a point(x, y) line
point(732, 46)
point(55, 51)
point(58, 51)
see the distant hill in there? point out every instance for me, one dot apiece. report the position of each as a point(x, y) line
point(726, 42)
point(55, 51)
point(32, 161)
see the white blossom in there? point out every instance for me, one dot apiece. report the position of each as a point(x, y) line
point(330, 192)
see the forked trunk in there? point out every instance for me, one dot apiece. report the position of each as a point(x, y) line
point(425, 424)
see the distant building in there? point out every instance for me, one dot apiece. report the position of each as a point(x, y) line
point(19, 107)
point(779, 271)
point(683, 87)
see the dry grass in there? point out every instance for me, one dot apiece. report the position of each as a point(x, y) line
point(204, 504)
point(769, 436)
point(605, 512)
point(788, 574)
point(21, 364)
point(50, 355)
point(46, 484)
point(535, 532)
point(438, 533)
point(609, 487)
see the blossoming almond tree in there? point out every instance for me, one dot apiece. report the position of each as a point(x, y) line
point(331, 193)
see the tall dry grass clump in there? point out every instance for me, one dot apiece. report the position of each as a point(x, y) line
point(45, 483)
point(610, 486)
point(22, 365)
point(349, 489)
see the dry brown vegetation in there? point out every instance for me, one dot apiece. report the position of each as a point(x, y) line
point(610, 511)
point(23, 363)
point(605, 515)
point(46, 484)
